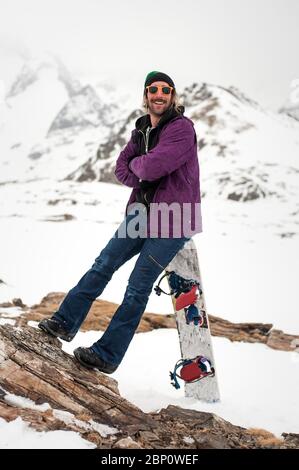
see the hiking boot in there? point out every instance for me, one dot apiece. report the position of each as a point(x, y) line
point(55, 328)
point(88, 358)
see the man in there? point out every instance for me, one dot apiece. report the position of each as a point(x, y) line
point(160, 163)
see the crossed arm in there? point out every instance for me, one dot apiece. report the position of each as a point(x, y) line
point(171, 152)
point(122, 170)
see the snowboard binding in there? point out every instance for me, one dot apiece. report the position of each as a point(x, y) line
point(192, 370)
point(186, 292)
point(178, 284)
point(193, 315)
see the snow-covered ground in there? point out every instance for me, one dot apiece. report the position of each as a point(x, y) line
point(259, 387)
point(19, 435)
point(249, 274)
point(249, 270)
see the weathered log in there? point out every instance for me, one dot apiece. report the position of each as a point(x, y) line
point(102, 311)
point(33, 365)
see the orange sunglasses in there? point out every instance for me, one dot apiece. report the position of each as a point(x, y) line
point(154, 88)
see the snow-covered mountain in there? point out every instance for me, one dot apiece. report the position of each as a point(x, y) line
point(291, 110)
point(247, 152)
point(49, 123)
point(291, 106)
point(52, 126)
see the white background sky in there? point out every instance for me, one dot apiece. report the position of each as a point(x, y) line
point(251, 44)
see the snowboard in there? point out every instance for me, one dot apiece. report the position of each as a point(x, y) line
point(195, 340)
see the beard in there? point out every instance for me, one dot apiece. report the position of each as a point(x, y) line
point(158, 110)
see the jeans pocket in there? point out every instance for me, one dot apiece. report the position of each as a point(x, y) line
point(155, 261)
point(166, 258)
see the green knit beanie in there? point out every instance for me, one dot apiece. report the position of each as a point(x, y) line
point(156, 76)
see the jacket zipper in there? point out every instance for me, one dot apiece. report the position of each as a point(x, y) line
point(146, 140)
point(148, 131)
point(146, 137)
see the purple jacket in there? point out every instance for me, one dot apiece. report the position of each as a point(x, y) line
point(174, 162)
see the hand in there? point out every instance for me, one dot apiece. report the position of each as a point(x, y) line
point(130, 159)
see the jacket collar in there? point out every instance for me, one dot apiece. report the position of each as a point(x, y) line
point(144, 121)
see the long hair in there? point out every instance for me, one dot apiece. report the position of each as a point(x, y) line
point(176, 103)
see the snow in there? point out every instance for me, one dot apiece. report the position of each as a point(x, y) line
point(11, 312)
point(46, 440)
point(259, 386)
point(18, 435)
point(68, 418)
point(41, 105)
point(6, 321)
point(22, 402)
point(250, 272)
point(189, 440)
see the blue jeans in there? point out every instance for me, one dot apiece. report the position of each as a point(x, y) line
point(155, 255)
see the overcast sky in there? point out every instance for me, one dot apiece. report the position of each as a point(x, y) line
point(251, 44)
